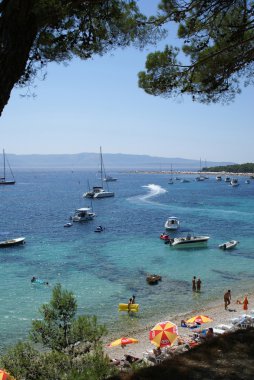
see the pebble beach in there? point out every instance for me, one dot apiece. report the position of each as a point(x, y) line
point(215, 311)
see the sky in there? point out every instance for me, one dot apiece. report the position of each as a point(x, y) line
point(89, 104)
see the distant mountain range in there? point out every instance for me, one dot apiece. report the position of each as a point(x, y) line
point(111, 162)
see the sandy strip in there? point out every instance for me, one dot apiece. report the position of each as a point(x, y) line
point(217, 313)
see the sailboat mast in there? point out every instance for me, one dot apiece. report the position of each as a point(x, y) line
point(4, 163)
point(101, 168)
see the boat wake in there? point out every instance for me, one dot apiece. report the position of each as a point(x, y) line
point(153, 191)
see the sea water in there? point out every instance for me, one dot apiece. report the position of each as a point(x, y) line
point(107, 268)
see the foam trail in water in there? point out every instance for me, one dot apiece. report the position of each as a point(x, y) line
point(154, 190)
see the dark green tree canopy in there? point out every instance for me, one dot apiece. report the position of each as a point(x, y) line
point(36, 32)
point(217, 51)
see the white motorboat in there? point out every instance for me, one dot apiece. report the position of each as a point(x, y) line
point(184, 180)
point(229, 244)
point(189, 241)
point(83, 214)
point(99, 191)
point(218, 178)
point(172, 223)
point(227, 179)
point(234, 182)
point(11, 242)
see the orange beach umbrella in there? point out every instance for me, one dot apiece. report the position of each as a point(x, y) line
point(163, 334)
point(122, 341)
point(200, 319)
point(4, 375)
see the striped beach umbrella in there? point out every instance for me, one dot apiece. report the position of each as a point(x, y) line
point(163, 334)
point(200, 319)
point(123, 342)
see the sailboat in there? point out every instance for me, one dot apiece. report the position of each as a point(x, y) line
point(170, 181)
point(99, 191)
point(200, 177)
point(3, 180)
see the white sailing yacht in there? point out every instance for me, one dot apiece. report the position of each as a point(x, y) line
point(3, 180)
point(99, 191)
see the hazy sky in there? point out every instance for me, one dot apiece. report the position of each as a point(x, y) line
point(98, 102)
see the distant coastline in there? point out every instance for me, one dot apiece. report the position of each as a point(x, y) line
point(179, 172)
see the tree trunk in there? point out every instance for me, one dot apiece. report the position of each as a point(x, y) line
point(18, 29)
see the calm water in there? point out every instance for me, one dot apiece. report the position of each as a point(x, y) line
point(107, 268)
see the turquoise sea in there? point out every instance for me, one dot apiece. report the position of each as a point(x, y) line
point(104, 269)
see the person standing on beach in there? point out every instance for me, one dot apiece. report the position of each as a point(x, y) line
point(227, 299)
point(245, 303)
point(199, 282)
point(129, 305)
point(194, 288)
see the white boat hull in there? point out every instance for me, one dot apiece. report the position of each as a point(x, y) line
point(229, 244)
point(104, 194)
point(11, 242)
point(189, 242)
point(172, 224)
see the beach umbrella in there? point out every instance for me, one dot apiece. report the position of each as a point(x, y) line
point(200, 319)
point(163, 334)
point(122, 342)
point(4, 375)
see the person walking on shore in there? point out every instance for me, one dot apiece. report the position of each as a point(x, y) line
point(199, 282)
point(227, 299)
point(194, 287)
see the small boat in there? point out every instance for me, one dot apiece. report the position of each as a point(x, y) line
point(108, 178)
point(200, 178)
point(67, 224)
point(172, 223)
point(3, 180)
point(83, 214)
point(227, 179)
point(99, 229)
point(234, 182)
point(11, 242)
point(189, 241)
point(247, 181)
point(153, 279)
point(218, 178)
point(164, 236)
point(229, 244)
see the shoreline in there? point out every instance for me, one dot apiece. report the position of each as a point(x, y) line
point(214, 310)
point(190, 172)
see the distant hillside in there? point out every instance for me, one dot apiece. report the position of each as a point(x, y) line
point(111, 161)
point(241, 168)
